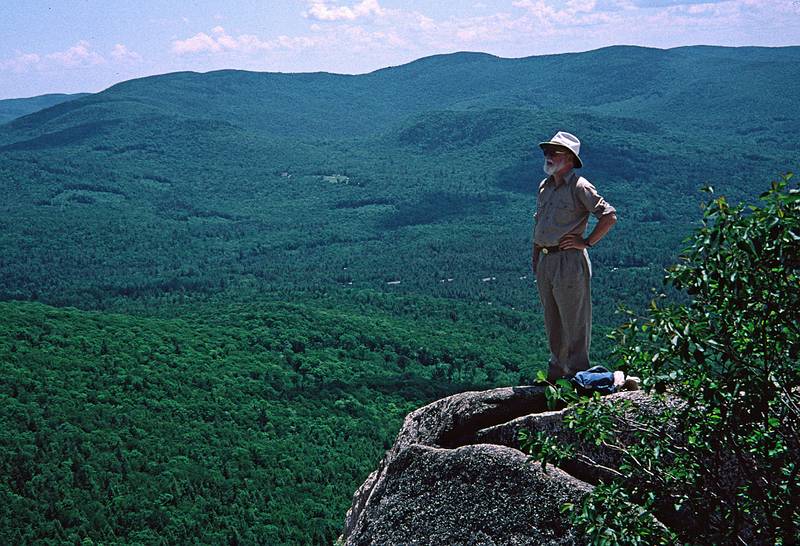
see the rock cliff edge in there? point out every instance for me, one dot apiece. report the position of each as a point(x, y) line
point(455, 475)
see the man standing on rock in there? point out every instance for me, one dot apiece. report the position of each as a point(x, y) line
point(560, 260)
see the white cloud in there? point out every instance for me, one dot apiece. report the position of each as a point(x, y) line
point(122, 53)
point(296, 42)
point(21, 63)
point(581, 6)
point(426, 23)
point(420, 34)
point(359, 39)
point(196, 44)
point(586, 24)
point(224, 40)
point(322, 11)
point(709, 16)
point(622, 5)
point(667, 3)
point(570, 14)
point(478, 29)
point(700, 9)
point(81, 55)
point(655, 23)
point(78, 55)
point(530, 27)
point(245, 42)
point(220, 42)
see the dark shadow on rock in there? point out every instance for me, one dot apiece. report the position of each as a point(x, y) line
point(494, 410)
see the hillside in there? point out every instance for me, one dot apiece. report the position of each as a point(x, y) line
point(14, 108)
point(698, 86)
point(320, 180)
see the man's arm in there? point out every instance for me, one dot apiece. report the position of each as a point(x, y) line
point(534, 256)
point(604, 224)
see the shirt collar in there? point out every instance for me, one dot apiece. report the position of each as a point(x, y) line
point(569, 178)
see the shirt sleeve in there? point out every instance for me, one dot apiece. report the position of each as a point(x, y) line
point(591, 200)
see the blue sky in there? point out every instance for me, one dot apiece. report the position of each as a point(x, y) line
point(71, 46)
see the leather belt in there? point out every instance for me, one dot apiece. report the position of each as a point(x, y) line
point(549, 249)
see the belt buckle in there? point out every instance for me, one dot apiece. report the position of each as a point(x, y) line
point(545, 251)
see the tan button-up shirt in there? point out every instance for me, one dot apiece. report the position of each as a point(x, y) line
point(565, 209)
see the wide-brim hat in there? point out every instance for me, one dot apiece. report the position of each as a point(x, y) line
point(568, 141)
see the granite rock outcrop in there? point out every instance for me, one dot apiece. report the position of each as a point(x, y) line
point(456, 475)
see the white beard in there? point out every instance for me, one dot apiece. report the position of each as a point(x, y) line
point(556, 165)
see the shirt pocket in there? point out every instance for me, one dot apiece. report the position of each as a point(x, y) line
point(563, 214)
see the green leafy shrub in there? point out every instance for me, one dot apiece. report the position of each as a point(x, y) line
point(721, 465)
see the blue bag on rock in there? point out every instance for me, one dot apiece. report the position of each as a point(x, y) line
point(596, 378)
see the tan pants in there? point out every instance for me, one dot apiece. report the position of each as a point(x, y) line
point(564, 281)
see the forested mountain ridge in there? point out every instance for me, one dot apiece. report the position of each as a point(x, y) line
point(624, 80)
point(322, 180)
point(14, 108)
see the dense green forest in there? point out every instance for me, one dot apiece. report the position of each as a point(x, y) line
point(225, 423)
point(222, 292)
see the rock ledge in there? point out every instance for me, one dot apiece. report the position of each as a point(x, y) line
point(455, 475)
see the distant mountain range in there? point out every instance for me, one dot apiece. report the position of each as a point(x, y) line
point(415, 173)
point(696, 85)
point(15, 108)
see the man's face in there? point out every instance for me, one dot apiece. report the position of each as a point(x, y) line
point(556, 160)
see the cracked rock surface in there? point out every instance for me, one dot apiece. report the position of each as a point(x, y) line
point(455, 475)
